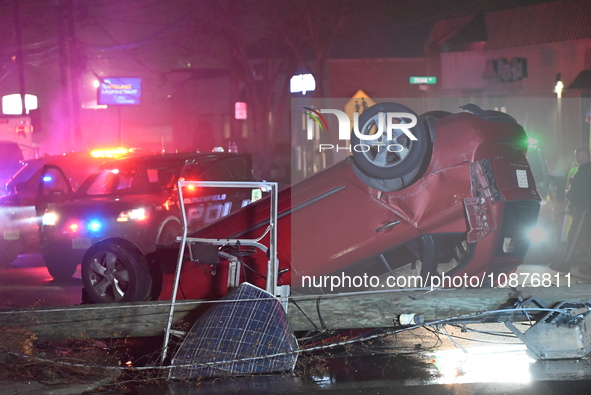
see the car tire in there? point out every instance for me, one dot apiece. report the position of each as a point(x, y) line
point(169, 233)
point(114, 272)
point(10, 251)
point(376, 161)
point(429, 118)
point(437, 114)
point(386, 184)
point(58, 268)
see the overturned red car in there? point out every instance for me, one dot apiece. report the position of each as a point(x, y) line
point(456, 201)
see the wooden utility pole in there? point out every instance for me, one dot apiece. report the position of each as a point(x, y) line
point(71, 56)
point(75, 65)
point(337, 311)
point(66, 124)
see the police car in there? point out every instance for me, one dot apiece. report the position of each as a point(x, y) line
point(122, 212)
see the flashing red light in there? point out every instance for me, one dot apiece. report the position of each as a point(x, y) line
point(110, 153)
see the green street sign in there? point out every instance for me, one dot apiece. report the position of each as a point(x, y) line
point(423, 80)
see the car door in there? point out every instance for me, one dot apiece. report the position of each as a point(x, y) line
point(336, 223)
point(54, 188)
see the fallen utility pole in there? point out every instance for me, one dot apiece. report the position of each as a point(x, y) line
point(381, 309)
point(329, 311)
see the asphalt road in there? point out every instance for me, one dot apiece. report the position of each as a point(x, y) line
point(26, 282)
point(484, 359)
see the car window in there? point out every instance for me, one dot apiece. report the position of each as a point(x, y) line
point(192, 172)
point(232, 169)
point(134, 177)
point(131, 181)
point(54, 182)
point(21, 184)
point(77, 169)
point(111, 181)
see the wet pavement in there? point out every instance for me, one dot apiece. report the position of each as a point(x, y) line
point(26, 282)
point(479, 359)
point(451, 359)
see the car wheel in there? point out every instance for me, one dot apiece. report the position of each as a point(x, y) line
point(10, 251)
point(169, 233)
point(386, 184)
point(429, 118)
point(437, 114)
point(388, 158)
point(58, 267)
point(112, 272)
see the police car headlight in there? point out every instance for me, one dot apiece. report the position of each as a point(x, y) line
point(49, 218)
point(138, 214)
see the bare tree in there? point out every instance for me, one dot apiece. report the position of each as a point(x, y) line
point(263, 43)
point(247, 41)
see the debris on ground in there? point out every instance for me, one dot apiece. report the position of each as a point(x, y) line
point(65, 367)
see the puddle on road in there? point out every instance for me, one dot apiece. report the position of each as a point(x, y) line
point(421, 361)
point(316, 373)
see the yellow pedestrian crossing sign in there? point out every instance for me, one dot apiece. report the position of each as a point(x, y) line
point(358, 103)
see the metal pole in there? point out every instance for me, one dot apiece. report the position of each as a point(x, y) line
point(178, 271)
point(273, 265)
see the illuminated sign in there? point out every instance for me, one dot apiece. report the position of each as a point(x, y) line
point(423, 80)
point(240, 110)
point(13, 104)
point(120, 91)
point(302, 83)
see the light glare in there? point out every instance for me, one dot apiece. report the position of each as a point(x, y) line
point(94, 226)
point(49, 219)
point(537, 234)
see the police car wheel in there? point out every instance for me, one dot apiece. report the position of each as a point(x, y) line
point(112, 272)
point(169, 233)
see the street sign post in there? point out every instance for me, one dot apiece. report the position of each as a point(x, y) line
point(423, 80)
